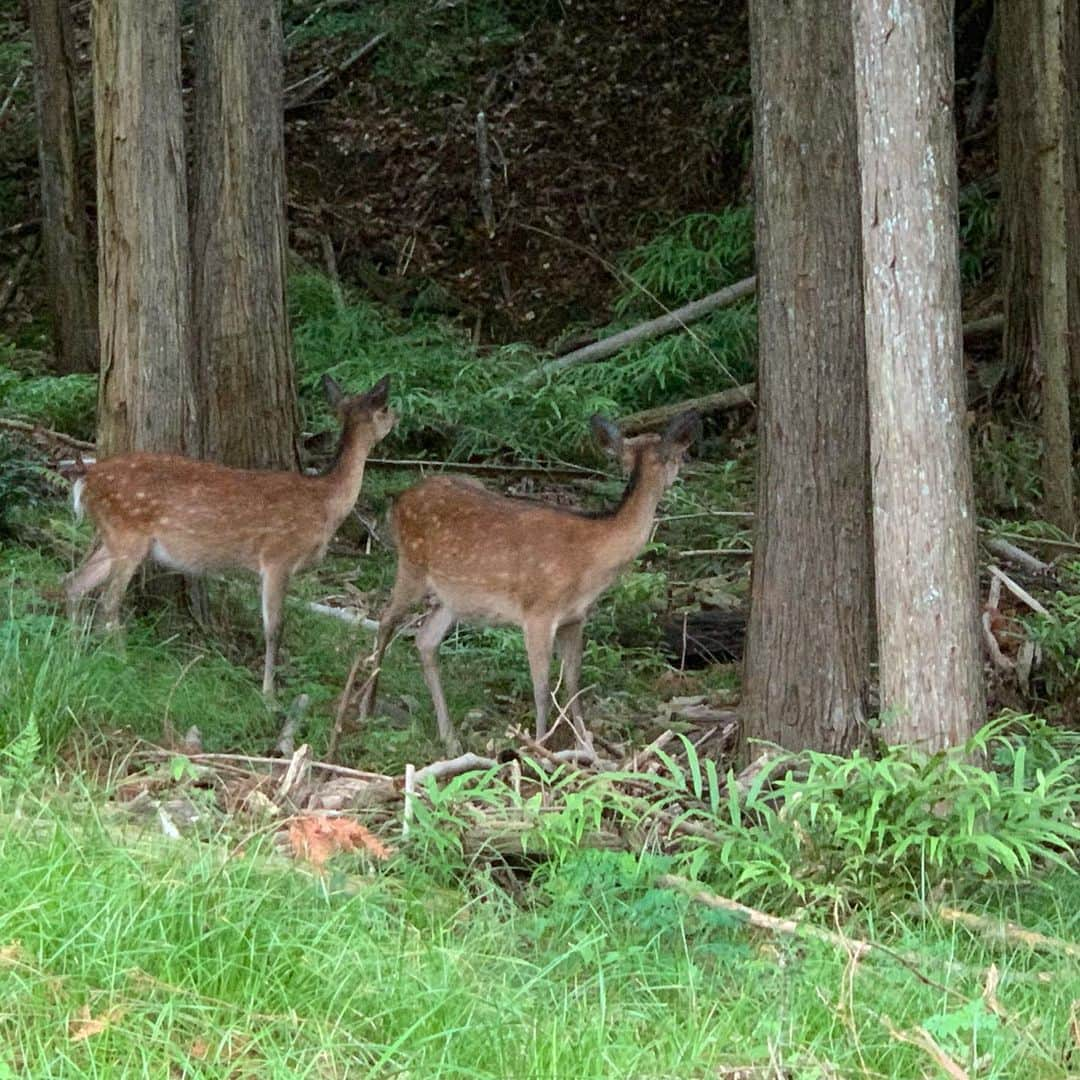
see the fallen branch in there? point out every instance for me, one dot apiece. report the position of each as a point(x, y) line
point(1003, 549)
point(575, 471)
point(646, 331)
point(158, 753)
point(683, 317)
point(742, 552)
point(856, 948)
point(38, 431)
point(926, 1042)
point(990, 325)
point(345, 615)
point(762, 920)
point(736, 397)
point(301, 92)
point(1009, 932)
point(636, 760)
point(1021, 593)
point(463, 763)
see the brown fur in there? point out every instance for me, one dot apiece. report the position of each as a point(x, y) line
point(486, 557)
point(200, 517)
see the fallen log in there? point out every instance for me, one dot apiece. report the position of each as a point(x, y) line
point(735, 397)
point(646, 331)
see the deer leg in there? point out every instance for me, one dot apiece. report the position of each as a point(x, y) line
point(407, 590)
point(123, 570)
point(569, 640)
point(431, 634)
point(275, 581)
point(95, 568)
point(539, 641)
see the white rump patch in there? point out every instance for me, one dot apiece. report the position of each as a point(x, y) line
point(76, 498)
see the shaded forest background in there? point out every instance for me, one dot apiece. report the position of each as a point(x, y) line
point(606, 123)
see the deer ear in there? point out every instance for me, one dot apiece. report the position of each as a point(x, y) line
point(332, 391)
point(606, 434)
point(682, 431)
point(379, 393)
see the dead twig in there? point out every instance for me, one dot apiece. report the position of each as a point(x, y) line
point(10, 96)
point(160, 753)
point(1021, 593)
point(920, 1037)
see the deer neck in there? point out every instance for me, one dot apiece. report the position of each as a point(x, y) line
point(632, 522)
point(346, 476)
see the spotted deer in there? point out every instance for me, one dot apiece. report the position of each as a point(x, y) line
point(199, 517)
point(491, 558)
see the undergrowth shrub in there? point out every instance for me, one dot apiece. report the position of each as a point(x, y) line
point(25, 480)
point(852, 828)
point(65, 402)
point(457, 403)
point(829, 829)
point(691, 258)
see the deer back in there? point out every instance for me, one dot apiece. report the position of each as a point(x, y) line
point(203, 516)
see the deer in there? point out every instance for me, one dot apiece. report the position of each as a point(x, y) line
point(199, 517)
point(492, 558)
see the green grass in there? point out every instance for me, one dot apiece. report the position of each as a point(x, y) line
point(244, 966)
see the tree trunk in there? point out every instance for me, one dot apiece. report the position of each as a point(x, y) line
point(1053, 263)
point(1036, 167)
point(808, 640)
point(146, 399)
point(241, 338)
point(1071, 128)
point(924, 522)
point(69, 263)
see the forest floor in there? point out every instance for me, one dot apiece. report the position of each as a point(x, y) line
point(166, 913)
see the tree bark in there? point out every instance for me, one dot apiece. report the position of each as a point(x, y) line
point(69, 262)
point(808, 639)
point(1037, 169)
point(924, 523)
point(146, 398)
point(241, 334)
point(1071, 127)
point(1058, 504)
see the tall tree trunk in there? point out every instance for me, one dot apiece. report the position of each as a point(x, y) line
point(241, 341)
point(147, 398)
point(808, 640)
point(1071, 127)
point(69, 263)
point(924, 522)
point(1053, 263)
point(1037, 172)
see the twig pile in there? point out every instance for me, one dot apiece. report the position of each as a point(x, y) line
point(276, 792)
